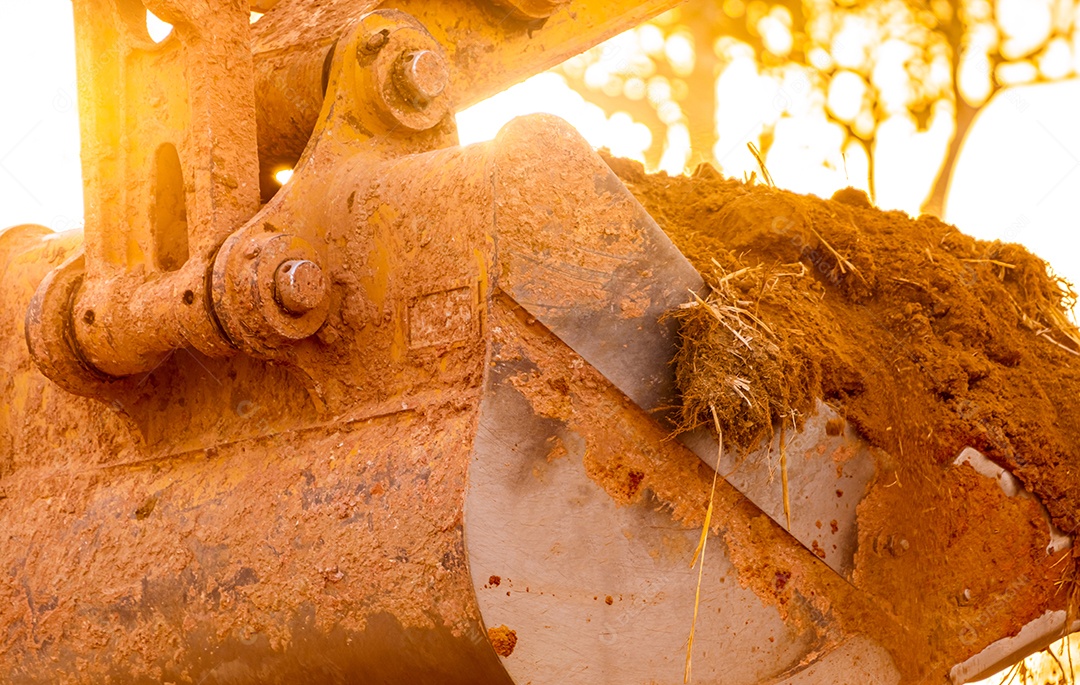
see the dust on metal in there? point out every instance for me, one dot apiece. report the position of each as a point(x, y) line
point(300, 285)
point(421, 76)
point(332, 355)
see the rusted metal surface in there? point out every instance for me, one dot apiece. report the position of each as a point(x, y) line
point(1035, 635)
point(1012, 487)
point(828, 476)
point(224, 520)
point(256, 271)
point(605, 292)
point(599, 590)
point(489, 47)
point(170, 169)
point(856, 661)
point(581, 255)
point(420, 77)
point(169, 127)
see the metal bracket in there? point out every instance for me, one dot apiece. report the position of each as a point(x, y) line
point(170, 169)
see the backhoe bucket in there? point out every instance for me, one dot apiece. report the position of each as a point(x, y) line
point(412, 418)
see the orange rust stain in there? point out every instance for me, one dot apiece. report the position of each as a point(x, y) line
point(558, 449)
point(634, 305)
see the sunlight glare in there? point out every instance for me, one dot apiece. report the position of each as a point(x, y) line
point(1056, 62)
point(575, 66)
point(865, 123)
point(819, 58)
point(635, 137)
point(158, 29)
point(282, 176)
point(1017, 73)
point(856, 166)
point(1026, 25)
point(596, 75)
point(549, 93)
point(613, 87)
point(776, 33)
point(796, 94)
point(659, 89)
point(974, 78)
point(669, 112)
point(852, 41)
point(890, 76)
point(651, 39)
point(805, 156)
point(1018, 179)
point(978, 10)
point(846, 92)
point(941, 70)
point(1076, 39)
point(677, 152)
point(761, 101)
point(679, 50)
point(635, 88)
point(912, 158)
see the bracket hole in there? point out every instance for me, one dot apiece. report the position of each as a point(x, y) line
point(170, 210)
point(158, 28)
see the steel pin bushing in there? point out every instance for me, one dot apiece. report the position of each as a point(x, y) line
point(300, 286)
point(421, 76)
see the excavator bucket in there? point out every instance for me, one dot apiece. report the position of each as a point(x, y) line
point(412, 417)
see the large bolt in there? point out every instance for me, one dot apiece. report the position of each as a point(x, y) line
point(421, 76)
point(372, 43)
point(300, 286)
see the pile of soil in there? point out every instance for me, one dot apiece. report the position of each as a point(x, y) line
point(925, 339)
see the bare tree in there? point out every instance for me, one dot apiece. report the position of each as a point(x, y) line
point(919, 59)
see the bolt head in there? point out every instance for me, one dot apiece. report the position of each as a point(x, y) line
point(300, 286)
point(421, 76)
point(372, 43)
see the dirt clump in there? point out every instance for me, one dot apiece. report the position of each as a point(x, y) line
point(503, 640)
point(925, 339)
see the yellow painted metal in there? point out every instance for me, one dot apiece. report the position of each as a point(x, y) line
point(489, 46)
point(492, 51)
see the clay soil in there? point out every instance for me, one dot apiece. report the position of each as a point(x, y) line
point(926, 339)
